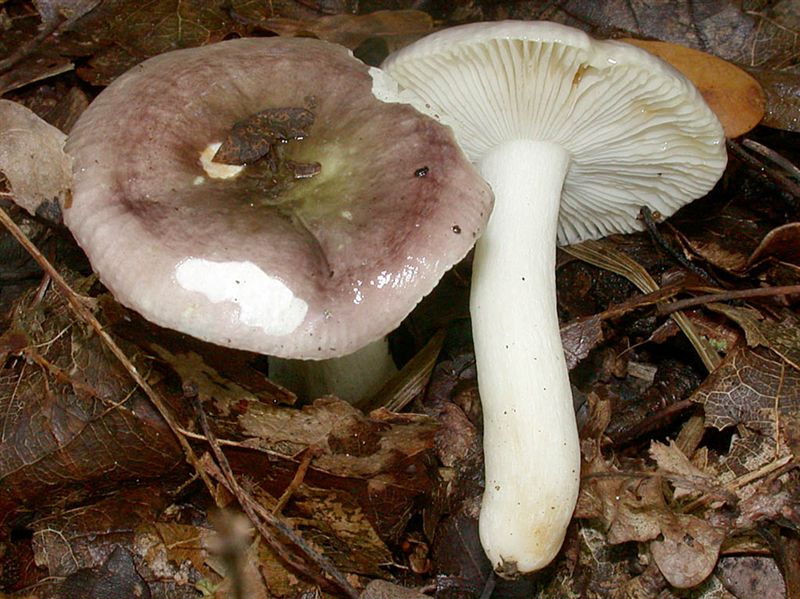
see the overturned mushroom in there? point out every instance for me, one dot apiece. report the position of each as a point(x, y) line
point(256, 194)
point(574, 135)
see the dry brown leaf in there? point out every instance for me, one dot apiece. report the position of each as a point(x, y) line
point(380, 589)
point(168, 556)
point(672, 460)
point(751, 388)
point(782, 89)
point(75, 425)
point(751, 576)
point(580, 337)
point(117, 575)
point(734, 95)
point(336, 525)
point(630, 506)
point(32, 158)
point(352, 30)
point(782, 337)
point(782, 243)
point(688, 551)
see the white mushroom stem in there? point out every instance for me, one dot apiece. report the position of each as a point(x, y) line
point(530, 436)
point(352, 377)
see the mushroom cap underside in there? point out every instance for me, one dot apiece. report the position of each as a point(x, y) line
point(313, 252)
point(637, 131)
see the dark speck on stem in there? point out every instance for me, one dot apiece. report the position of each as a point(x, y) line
point(456, 229)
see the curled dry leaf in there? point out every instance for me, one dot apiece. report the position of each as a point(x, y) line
point(734, 95)
point(782, 243)
point(671, 459)
point(32, 158)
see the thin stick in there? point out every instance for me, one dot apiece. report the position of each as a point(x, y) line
point(85, 314)
point(297, 479)
point(783, 181)
point(664, 309)
point(250, 507)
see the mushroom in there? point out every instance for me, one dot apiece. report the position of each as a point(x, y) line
point(574, 135)
point(257, 194)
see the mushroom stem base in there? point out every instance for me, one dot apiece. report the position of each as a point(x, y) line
point(352, 377)
point(531, 450)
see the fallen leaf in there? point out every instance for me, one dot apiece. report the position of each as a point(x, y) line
point(335, 524)
point(580, 337)
point(631, 507)
point(352, 30)
point(752, 388)
point(782, 243)
point(380, 589)
point(33, 160)
point(169, 557)
point(670, 459)
point(782, 89)
point(751, 576)
point(121, 33)
point(781, 336)
point(735, 97)
point(688, 551)
point(76, 425)
point(116, 577)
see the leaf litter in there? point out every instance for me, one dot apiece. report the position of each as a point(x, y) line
point(690, 444)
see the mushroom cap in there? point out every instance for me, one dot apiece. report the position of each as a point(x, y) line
point(310, 267)
point(637, 131)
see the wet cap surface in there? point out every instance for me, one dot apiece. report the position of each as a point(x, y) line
point(311, 254)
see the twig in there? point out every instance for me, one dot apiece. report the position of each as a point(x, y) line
point(258, 516)
point(781, 465)
point(648, 218)
point(710, 490)
point(664, 309)
point(297, 479)
point(604, 255)
point(85, 314)
point(29, 47)
point(781, 180)
point(772, 155)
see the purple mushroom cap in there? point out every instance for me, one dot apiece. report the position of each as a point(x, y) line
point(310, 247)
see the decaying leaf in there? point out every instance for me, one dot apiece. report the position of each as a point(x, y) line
point(735, 97)
point(33, 160)
point(782, 243)
point(121, 33)
point(669, 458)
point(352, 30)
point(633, 508)
point(379, 589)
point(752, 388)
point(781, 336)
point(688, 551)
point(75, 424)
point(782, 89)
point(167, 556)
point(751, 576)
point(116, 576)
point(580, 337)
